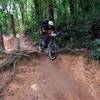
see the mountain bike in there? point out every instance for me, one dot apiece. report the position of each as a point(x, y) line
point(52, 47)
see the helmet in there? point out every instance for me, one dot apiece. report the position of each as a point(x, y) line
point(51, 23)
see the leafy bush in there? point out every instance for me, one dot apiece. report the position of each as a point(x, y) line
point(95, 46)
point(80, 35)
point(36, 37)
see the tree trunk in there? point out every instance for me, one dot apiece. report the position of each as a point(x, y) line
point(21, 6)
point(1, 39)
point(37, 10)
point(84, 5)
point(22, 12)
point(72, 6)
point(50, 10)
point(12, 25)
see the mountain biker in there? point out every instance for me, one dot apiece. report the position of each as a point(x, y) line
point(47, 28)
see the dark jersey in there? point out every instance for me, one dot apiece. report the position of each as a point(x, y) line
point(45, 26)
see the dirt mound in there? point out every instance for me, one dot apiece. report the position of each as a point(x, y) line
point(38, 78)
point(42, 79)
point(10, 42)
point(26, 43)
point(84, 71)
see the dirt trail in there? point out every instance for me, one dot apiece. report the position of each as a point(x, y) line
point(38, 78)
point(43, 80)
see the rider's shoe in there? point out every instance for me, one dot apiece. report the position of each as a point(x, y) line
point(40, 48)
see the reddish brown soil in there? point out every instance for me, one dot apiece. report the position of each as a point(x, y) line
point(10, 42)
point(85, 71)
point(67, 78)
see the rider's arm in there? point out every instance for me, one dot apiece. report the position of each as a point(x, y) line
point(43, 29)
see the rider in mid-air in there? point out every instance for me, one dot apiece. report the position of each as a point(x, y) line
point(47, 28)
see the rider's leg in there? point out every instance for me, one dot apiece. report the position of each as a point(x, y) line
point(42, 43)
point(47, 41)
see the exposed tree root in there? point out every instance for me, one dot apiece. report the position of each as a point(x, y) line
point(8, 78)
point(12, 59)
point(64, 50)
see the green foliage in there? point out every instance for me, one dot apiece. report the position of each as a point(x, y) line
point(80, 35)
point(3, 21)
point(95, 46)
point(28, 15)
point(36, 37)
